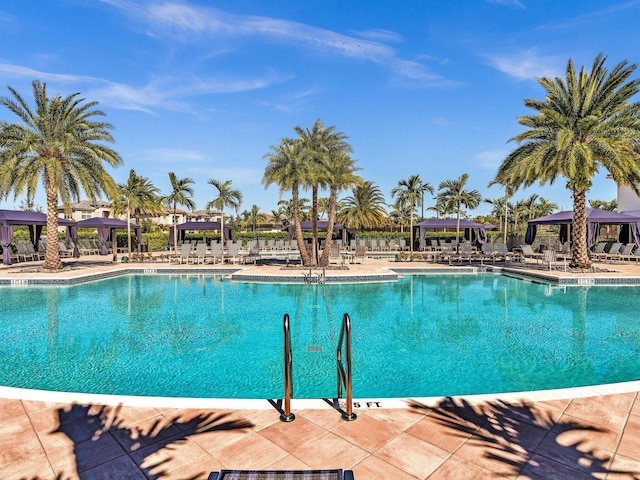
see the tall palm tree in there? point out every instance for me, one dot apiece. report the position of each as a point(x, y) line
point(586, 121)
point(410, 193)
point(288, 168)
point(455, 196)
point(181, 194)
point(138, 196)
point(364, 209)
point(255, 217)
point(340, 172)
point(227, 197)
point(60, 144)
point(322, 143)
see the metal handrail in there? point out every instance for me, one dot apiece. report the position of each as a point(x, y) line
point(344, 374)
point(287, 416)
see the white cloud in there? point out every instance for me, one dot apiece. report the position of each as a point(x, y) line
point(160, 92)
point(509, 3)
point(527, 65)
point(172, 155)
point(491, 159)
point(186, 22)
point(379, 35)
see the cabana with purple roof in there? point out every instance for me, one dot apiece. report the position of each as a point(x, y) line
point(36, 221)
point(203, 226)
point(106, 227)
point(595, 218)
point(467, 226)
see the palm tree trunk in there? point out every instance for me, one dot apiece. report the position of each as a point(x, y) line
point(333, 194)
point(222, 237)
point(128, 229)
point(175, 230)
point(579, 254)
point(458, 230)
point(52, 255)
point(314, 223)
point(304, 257)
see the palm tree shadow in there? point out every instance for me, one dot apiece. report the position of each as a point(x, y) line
point(100, 434)
point(512, 434)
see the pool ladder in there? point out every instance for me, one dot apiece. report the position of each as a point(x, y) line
point(344, 370)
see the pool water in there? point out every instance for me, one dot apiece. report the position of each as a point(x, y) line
point(425, 335)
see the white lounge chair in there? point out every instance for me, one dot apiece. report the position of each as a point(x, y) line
point(527, 252)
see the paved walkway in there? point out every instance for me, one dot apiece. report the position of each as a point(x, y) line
point(574, 434)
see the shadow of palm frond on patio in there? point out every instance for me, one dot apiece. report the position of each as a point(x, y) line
point(521, 439)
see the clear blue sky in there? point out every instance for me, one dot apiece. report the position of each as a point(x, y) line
point(203, 88)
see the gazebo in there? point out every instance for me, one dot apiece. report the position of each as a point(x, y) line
point(595, 218)
point(36, 221)
point(451, 223)
point(204, 226)
point(106, 227)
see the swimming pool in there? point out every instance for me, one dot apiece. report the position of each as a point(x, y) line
point(425, 335)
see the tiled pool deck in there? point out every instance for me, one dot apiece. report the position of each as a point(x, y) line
point(566, 434)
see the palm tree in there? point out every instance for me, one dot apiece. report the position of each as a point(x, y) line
point(410, 193)
point(340, 172)
point(59, 144)
point(227, 197)
point(364, 209)
point(454, 196)
point(181, 194)
point(321, 143)
point(288, 168)
point(586, 121)
point(611, 205)
point(137, 196)
point(255, 217)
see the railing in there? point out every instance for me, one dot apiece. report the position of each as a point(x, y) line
point(287, 416)
point(344, 373)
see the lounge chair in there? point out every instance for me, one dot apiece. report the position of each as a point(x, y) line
point(335, 258)
point(598, 251)
point(64, 251)
point(360, 255)
point(233, 253)
point(613, 252)
point(282, 475)
point(488, 252)
point(527, 252)
point(201, 253)
point(22, 251)
point(36, 255)
point(624, 252)
point(184, 255)
point(252, 256)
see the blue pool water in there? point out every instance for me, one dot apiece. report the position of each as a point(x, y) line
point(199, 336)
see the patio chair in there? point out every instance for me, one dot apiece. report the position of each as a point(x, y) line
point(527, 252)
point(233, 253)
point(201, 253)
point(549, 258)
point(21, 250)
point(623, 252)
point(598, 251)
point(613, 252)
point(360, 255)
point(503, 251)
point(282, 475)
point(252, 256)
point(64, 251)
point(488, 252)
point(335, 258)
point(32, 251)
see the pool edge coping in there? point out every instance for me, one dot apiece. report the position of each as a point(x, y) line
point(314, 404)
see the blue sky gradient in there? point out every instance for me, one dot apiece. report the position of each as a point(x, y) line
point(204, 88)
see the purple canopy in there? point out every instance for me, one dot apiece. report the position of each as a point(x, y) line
point(595, 218)
point(104, 225)
point(451, 223)
point(35, 221)
point(183, 227)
